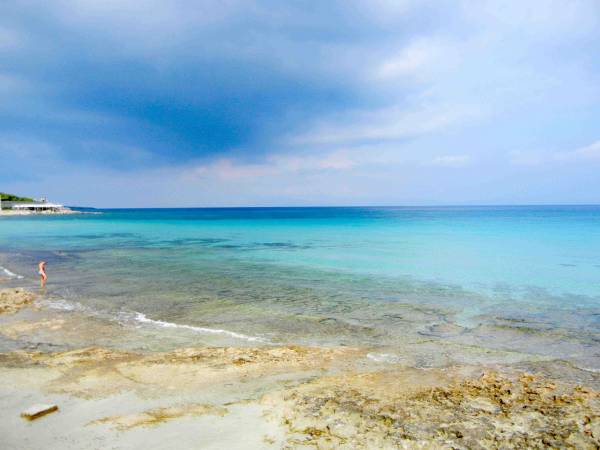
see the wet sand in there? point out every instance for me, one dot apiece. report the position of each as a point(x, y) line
point(113, 394)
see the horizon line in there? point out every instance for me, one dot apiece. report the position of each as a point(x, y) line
point(457, 205)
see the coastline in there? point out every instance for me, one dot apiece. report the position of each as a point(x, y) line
point(266, 396)
point(10, 213)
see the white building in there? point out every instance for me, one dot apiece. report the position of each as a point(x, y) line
point(36, 206)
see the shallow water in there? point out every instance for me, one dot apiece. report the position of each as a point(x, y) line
point(522, 282)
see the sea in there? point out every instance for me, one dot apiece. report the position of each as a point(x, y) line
point(423, 286)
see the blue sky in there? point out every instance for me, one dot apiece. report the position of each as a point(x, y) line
point(241, 103)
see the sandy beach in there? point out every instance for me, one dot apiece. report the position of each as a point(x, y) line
point(268, 397)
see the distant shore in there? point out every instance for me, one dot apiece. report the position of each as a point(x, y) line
point(12, 212)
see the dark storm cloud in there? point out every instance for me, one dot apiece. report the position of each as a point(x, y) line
point(184, 80)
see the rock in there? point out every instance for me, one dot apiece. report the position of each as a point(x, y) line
point(37, 411)
point(12, 300)
point(160, 415)
point(342, 430)
point(484, 405)
point(594, 427)
point(381, 410)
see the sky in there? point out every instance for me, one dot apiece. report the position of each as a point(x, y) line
point(149, 103)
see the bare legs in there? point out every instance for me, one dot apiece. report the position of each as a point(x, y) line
point(42, 272)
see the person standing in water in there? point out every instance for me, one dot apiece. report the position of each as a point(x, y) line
point(42, 272)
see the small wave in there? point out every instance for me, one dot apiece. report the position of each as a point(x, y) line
point(10, 274)
point(141, 318)
point(384, 358)
point(63, 305)
point(589, 369)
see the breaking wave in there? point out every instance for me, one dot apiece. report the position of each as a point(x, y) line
point(10, 274)
point(141, 318)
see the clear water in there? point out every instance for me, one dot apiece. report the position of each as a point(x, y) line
point(520, 280)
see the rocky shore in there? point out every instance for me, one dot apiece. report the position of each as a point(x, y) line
point(410, 409)
point(271, 397)
point(13, 300)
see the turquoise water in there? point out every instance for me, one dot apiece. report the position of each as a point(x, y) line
point(516, 279)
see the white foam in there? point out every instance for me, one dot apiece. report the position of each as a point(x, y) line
point(589, 369)
point(384, 358)
point(141, 318)
point(10, 274)
point(63, 305)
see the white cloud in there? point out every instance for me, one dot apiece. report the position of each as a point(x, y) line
point(9, 39)
point(276, 164)
point(422, 57)
point(386, 11)
point(229, 169)
point(530, 159)
point(385, 124)
point(587, 153)
point(453, 161)
point(25, 150)
point(408, 62)
point(542, 18)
